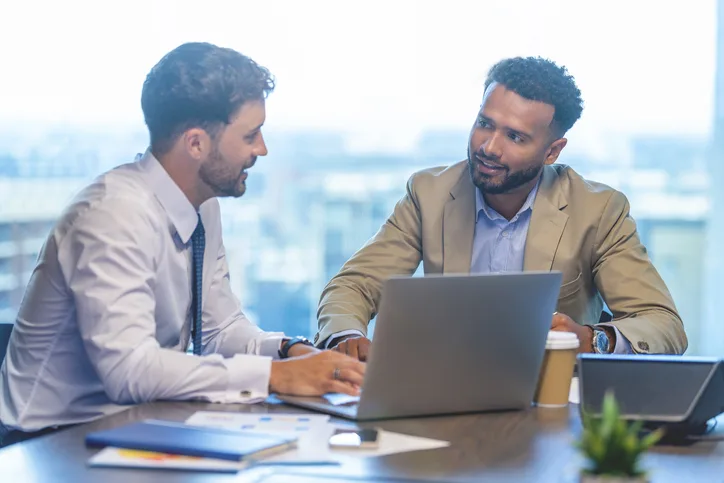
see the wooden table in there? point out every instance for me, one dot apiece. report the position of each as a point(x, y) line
point(534, 445)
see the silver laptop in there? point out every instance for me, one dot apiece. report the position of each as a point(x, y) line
point(451, 345)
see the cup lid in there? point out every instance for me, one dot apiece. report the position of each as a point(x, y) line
point(562, 340)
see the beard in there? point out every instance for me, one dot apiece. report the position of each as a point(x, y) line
point(222, 178)
point(494, 185)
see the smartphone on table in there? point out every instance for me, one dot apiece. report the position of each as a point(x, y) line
point(354, 439)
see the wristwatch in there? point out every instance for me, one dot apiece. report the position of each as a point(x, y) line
point(601, 343)
point(284, 350)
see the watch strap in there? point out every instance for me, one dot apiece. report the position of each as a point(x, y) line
point(284, 350)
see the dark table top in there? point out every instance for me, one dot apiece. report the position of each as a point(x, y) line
point(534, 445)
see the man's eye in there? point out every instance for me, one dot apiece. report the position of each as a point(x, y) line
point(515, 138)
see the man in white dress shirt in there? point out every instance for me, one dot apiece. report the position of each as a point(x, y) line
point(135, 272)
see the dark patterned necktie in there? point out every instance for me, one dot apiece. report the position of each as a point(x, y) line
point(198, 242)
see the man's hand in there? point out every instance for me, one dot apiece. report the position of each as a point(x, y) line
point(355, 346)
point(300, 349)
point(563, 323)
point(317, 373)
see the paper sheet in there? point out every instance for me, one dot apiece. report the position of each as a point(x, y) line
point(313, 433)
point(391, 443)
point(309, 429)
point(275, 422)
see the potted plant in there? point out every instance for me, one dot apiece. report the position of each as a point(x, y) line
point(613, 446)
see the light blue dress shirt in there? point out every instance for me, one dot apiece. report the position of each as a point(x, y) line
point(499, 246)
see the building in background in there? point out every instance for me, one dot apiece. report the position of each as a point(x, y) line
point(321, 194)
point(712, 328)
point(306, 213)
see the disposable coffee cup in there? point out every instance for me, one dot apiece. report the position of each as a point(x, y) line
point(554, 383)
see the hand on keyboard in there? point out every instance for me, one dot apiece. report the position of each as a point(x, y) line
point(357, 347)
point(317, 373)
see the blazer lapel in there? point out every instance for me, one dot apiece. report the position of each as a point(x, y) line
point(546, 224)
point(458, 227)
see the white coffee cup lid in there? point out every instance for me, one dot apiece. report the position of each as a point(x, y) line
point(562, 340)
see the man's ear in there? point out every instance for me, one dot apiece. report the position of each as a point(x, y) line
point(197, 143)
point(554, 150)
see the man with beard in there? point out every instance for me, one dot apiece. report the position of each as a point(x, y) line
point(135, 272)
point(509, 208)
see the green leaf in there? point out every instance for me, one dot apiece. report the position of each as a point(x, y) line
point(651, 439)
point(613, 445)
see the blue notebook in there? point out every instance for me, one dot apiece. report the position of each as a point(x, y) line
point(182, 439)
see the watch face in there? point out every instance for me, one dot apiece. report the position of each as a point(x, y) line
point(601, 342)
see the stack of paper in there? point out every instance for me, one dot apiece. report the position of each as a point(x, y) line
point(312, 432)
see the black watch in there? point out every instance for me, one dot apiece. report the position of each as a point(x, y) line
point(284, 350)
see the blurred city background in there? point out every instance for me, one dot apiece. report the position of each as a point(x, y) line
point(369, 92)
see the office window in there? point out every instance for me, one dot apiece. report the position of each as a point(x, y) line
point(6, 232)
point(367, 93)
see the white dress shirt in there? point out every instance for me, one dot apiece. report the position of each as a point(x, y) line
point(106, 317)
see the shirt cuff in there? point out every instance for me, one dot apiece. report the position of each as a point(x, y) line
point(248, 379)
point(270, 346)
point(623, 346)
point(341, 334)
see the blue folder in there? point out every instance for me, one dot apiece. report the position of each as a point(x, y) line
point(182, 439)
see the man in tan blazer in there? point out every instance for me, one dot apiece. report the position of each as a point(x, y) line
point(509, 208)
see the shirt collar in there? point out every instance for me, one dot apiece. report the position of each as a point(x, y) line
point(481, 205)
point(179, 209)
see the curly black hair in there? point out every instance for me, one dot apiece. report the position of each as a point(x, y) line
point(199, 84)
point(540, 79)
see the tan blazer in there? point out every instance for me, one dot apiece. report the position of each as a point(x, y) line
point(579, 227)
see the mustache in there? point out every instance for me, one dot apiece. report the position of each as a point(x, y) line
point(480, 153)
